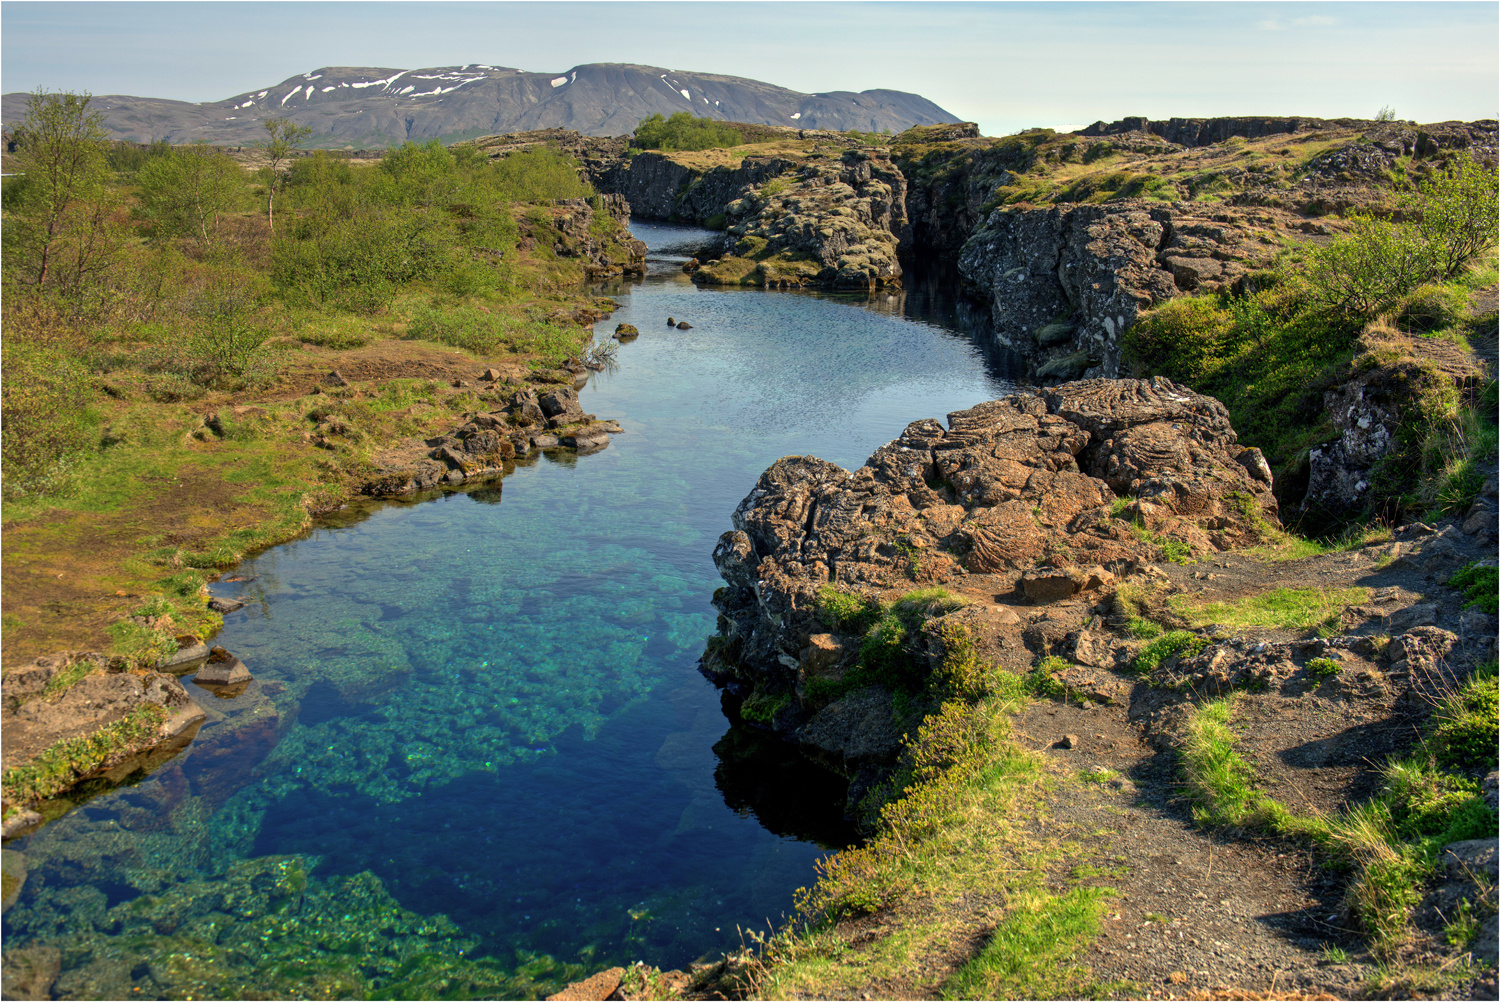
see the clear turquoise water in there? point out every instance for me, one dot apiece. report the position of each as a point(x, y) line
point(489, 702)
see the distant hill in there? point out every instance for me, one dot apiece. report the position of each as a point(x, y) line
point(361, 107)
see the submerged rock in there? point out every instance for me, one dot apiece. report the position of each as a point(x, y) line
point(222, 668)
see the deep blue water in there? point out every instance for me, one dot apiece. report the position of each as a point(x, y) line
point(497, 709)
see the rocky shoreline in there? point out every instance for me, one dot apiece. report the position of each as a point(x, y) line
point(1063, 273)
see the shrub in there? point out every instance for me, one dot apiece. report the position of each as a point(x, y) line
point(536, 174)
point(684, 132)
point(1371, 269)
point(1459, 217)
point(1177, 642)
point(358, 263)
point(47, 419)
point(1465, 732)
point(225, 349)
point(1480, 585)
point(188, 192)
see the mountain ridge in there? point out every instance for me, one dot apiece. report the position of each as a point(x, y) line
point(364, 106)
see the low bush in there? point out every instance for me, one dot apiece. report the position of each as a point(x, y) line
point(1464, 733)
point(1174, 644)
point(48, 419)
point(684, 132)
point(1481, 587)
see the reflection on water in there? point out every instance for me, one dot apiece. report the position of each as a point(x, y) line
point(477, 757)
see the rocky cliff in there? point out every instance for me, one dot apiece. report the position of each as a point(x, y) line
point(1033, 499)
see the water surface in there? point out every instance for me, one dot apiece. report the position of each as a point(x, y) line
point(477, 756)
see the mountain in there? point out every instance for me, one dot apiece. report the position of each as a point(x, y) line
point(361, 107)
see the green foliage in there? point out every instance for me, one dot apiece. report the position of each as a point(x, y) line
point(761, 708)
point(58, 228)
point(1369, 271)
point(684, 132)
point(1174, 644)
point(1324, 667)
point(1041, 681)
point(359, 262)
point(964, 673)
point(1481, 587)
point(190, 191)
point(846, 612)
point(1464, 732)
point(126, 158)
point(282, 137)
point(945, 756)
point(1270, 354)
point(47, 418)
point(228, 350)
point(535, 174)
point(1459, 213)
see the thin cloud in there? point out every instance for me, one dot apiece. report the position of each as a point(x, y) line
point(1315, 21)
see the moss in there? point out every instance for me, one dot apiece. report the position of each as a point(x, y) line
point(762, 708)
point(1177, 643)
point(60, 766)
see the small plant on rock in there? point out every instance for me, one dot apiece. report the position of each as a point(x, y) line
point(1324, 667)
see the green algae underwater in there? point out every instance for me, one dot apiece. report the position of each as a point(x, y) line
point(478, 759)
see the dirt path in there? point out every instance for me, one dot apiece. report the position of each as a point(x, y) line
point(1197, 914)
point(1205, 913)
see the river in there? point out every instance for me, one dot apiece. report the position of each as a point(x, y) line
point(504, 768)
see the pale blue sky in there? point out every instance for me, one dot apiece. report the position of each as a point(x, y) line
point(1006, 65)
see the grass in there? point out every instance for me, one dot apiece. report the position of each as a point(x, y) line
point(964, 817)
point(1287, 546)
point(1392, 842)
point(1032, 952)
point(1177, 643)
point(1315, 610)
point(1481, 587)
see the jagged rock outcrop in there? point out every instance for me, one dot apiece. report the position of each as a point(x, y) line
point(1064, 284)
point(831, 219)
point(570, 227)
point(1377, 414)
point(1413, 139)
point(657, 186)
point(1040, 496)
point(831, 222)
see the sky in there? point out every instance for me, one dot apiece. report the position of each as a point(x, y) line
point(1007, 66)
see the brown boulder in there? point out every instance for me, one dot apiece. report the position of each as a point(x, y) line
point(1033, 492)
